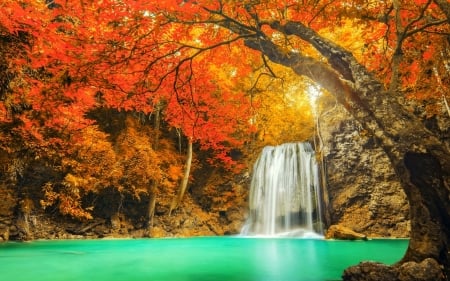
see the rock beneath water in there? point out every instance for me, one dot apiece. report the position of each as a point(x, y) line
point(343, 233)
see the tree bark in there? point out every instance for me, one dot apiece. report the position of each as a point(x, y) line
point(323, 174)
point(154, 184)
point(444, 5)
point(420, 160)
point(151, 206)
point(184, 182)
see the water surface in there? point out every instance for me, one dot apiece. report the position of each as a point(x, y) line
point(193, 259)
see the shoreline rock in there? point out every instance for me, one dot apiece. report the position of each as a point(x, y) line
point(341, 232)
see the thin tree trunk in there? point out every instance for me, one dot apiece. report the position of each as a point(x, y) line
point(154, 184)
point(442, 89)
point(398, 55)
point(184, 182)
point(157, 126)
point(151, 206)
point(446, 104)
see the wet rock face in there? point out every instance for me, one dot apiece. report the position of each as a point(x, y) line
point(363, 191)
point(7, 205)
point(217, 207)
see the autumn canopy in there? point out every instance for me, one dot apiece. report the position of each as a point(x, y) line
point(90, 88)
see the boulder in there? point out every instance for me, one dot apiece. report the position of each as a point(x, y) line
point(370, 271)
point(343, 233)
point(427, 270)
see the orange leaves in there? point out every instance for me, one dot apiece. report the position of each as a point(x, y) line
point(140, 164)
point(411, 76)
point(18, 16)
point(132, 53)
point(31, 131)
point(135, 56)
point(4, 115)
point(126, 55)
point(174, 173)
point(428, 53)
point(413, 31)
point(126, 162)
point(91, 157)
point(377, 32)
point(67, 201)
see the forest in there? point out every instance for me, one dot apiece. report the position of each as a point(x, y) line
point(136, 96)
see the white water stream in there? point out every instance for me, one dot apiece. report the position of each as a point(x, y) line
point(285, 193)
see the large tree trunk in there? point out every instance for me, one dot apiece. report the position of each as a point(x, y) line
point(420, 160)
point(424, 185)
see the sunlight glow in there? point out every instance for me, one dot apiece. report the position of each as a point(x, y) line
point(314, 92)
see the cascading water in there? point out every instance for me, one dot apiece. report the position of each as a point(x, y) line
point(285, 193)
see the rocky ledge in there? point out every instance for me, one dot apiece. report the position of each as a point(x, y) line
point(426, 270)
point(343, 233)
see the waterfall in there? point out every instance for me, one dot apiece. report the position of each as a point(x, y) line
point(285, 193)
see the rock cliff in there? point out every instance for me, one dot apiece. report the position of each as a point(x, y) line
point(363, 191)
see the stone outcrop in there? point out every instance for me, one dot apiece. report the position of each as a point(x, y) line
point(427, 270)
point(7, 205)
point(363, 191)
point(343, 233)
point(370, 271)
point(216, 207)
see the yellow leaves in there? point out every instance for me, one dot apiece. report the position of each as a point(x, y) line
point(74, 181)
point(141, 165)
point(136, 157)
point(284, 112)
point(67, 200)
point(49, 194)
point(348, 35)
point(125, 161)
point(93, 158)
point(70, 205)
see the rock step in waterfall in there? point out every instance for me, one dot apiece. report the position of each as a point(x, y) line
point(285, 193)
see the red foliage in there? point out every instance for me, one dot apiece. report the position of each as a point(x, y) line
point(136, 56)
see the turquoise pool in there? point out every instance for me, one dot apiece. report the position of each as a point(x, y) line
point(191, 259)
